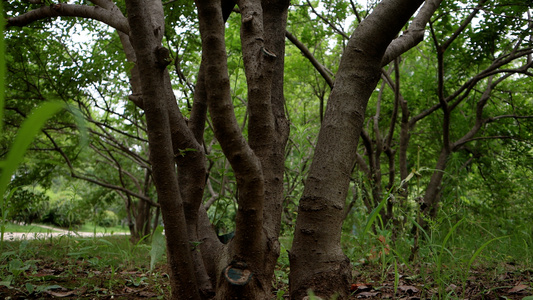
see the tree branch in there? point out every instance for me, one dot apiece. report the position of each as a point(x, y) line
point(109, 17)
point(73, 174)
point(344, 35)
point(414, 33)
point(318, 66)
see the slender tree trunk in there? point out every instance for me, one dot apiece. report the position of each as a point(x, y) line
point(145, 35)
point(317, 260)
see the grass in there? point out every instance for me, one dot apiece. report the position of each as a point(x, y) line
point(109, 267)
point(468, 259)
point(458, 261)
point(34, 228)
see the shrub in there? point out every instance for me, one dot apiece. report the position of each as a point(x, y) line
point(27, 205)
point(107, 218)
point(63, 214)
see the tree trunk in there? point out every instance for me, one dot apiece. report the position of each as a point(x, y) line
point(317, 260)
point(259, 165)
point(145, 35)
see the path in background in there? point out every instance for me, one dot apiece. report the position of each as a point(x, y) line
point(57, 232)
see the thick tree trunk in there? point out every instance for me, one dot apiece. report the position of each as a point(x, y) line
point(317, 261)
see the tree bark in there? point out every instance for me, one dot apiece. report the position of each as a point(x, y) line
point(318, 228)
point(145, 38)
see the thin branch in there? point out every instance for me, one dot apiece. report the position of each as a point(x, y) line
point(463, 25)
point(354, 8)
point(73, 174)
point(496, 137)
point(318, 66)
point(344, 35)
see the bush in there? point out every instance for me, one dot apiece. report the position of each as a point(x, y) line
point(63, 214)
point(27, 206)
point(107, 218)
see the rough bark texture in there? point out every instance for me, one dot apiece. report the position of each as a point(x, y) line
point(146, 41)
point(258, 166)
point(276, 20)
point(317, 233)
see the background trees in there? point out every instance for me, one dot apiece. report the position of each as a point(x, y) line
point(429, 131)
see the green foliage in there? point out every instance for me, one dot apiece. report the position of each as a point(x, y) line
point(66, 209)
point(158, 247)
point(107, 218)
point(63, 214)
point(27, 205)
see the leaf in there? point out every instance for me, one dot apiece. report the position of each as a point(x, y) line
point(517, 288)
point(2, 69)
point(158, 246)
point(408, 289)
point(82, 125)
point(478, 251)
point(30, 287)
point(25, 135)
point(373, 216)
point(367, 294)
point(6, 283)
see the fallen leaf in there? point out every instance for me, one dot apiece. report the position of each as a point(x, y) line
point(62, 294)
point(517, 289)
point(147, 294)
point(408, 289)
point(367, 294)
point(451, 287)
point(360, 287)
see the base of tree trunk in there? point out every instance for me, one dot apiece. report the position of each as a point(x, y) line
point(334, 281)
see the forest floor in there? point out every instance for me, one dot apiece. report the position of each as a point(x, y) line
point(113, 268)
point(506, 281)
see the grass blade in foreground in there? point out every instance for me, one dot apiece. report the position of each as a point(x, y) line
point(25, 135)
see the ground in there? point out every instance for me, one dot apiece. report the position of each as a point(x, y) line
point(112, 267)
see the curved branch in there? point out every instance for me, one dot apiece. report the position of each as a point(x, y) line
point(493, 119)
point(414, 33)
point(109, 17)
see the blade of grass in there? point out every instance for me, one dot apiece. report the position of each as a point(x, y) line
point(373, 215)
point(25, 135)
point(476, 254)
point(2, 68)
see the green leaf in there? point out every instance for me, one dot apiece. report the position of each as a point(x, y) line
point(82, 125)
point(158, 246)
point(25, 135)
point(2, 68)
point(478, 251)
point(30, 287)
point(6, 283)
point(373, 216)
